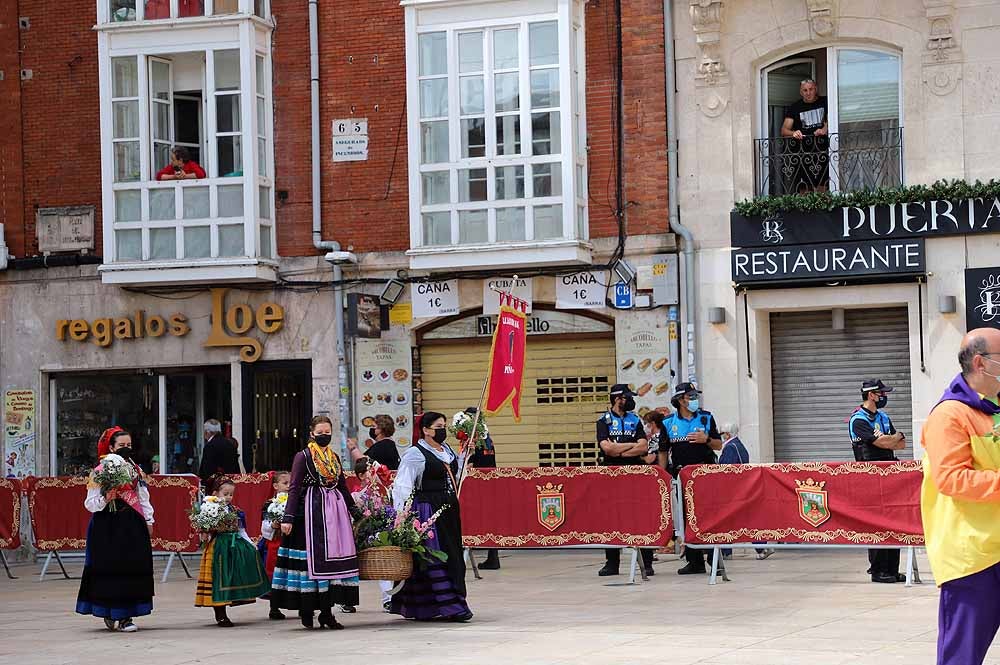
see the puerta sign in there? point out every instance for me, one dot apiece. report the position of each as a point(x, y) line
point(828, 262)
point(921, 219)
point(982, 298)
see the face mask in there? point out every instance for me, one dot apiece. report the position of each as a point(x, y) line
point(995, 377)
point(629, 404)
point(323, 439)
point(124, 452)
point(371, 433)
point(694, 405)
point(440, 434)
point(881, 402)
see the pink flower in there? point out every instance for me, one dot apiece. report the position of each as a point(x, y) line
point(430, 535)
point(368, 513)
point(416, 524)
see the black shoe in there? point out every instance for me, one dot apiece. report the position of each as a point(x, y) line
point(348, 609)
point(491, 563)
point(328, 621)
point(607, 571)
point(650, 572)
point(692, 569)
point(224, 623)
point(869, 571)
point(275, 614)
point(884, 578)
point(900, 577)
point(461, 618)
point(307, 620)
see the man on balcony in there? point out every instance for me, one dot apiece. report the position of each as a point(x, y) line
point(181, 167)
point(806, 163)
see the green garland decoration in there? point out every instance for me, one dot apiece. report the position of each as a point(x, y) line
point(942, 190)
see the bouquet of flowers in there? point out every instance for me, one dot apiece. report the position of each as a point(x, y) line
point(461, 428)
point(381, 525)
point(114, 473)
point(213, 515)
point(276, 508)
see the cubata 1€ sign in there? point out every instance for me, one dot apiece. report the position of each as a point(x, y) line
point(229, 328)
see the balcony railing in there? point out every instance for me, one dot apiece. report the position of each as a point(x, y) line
point(844, 161)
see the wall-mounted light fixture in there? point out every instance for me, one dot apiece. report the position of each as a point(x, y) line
point(392, 291)
point(947, 304)
point(716, 315)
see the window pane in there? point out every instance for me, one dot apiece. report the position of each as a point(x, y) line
point(260, 74)
point(437, 228)
point(262, 157)
point(433, 54)
point(470, 52)
point(227, 66)
point(189, 8)
point(474, 137)
point(545, 133)
point(507, 92)
point(544, 88)
point(434, 98)
point(543, 42)
point(581, 222)
point(472, 185)
point(161, 203)
point(156, 9)
point(128, 205)
point(197, 242)
point(163, 243)
point(868, 90)
point(227, 113)
point(225, 6)
point(159, 83)
point(122, 10)
point(264, 203)
point(434, 142)
point(161, 156)
point(126, 119)
point(231, 240)
point(265, 242)
point(509, 135)
point(472, 227)
point(231, 201)
point(510, 183)
point(258, 8)
point(261, 117)
point(195, 202)
point(471, 91)
point(505, 54)
point(126, 161)
point(128, 245)
point(548, 222)
point(125, 75)
point(510, 224)
point(435, 187)
point(161, 121)
point(546, 179)
point(230, 156)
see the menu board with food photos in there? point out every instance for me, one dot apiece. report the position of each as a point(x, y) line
point(383, 384)
point(643, 344)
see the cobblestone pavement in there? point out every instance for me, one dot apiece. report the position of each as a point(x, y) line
point(542, 607)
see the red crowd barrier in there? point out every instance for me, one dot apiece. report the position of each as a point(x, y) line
point(172, 498)
point(58, 519)
point(850, 503)
point(253, 490)
point(10, 514)
point(626, 506)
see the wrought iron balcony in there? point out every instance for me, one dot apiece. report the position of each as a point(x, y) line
point(844, 161)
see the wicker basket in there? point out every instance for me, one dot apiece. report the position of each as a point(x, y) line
point(385, 563)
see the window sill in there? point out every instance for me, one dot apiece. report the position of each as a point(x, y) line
point(158, 24)
point(518, 255)
point(216, 271)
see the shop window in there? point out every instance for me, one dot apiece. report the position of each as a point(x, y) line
point(493, 164)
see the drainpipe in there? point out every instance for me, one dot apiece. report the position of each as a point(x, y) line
point(3, 250)
point(334, 255)
point(687, 240)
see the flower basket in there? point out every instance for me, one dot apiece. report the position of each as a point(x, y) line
point(385, 563)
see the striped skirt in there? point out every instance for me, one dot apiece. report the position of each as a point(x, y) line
point(293, 589)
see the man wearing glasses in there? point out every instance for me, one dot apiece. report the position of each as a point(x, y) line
point(874, 438)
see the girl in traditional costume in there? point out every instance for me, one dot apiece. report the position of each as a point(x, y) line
point(429, 471)
point(317, 565)
point(117, 582)
point(231, 572)
point(270, 535)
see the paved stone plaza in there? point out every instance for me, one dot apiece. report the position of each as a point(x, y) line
point(540, 608)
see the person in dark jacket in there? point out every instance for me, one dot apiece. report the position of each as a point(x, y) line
point(219, 456)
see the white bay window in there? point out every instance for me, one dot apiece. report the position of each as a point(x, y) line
point(497, 135)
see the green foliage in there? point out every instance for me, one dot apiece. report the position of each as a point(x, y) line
point(942, 190)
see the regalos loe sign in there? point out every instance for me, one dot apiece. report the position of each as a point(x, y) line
point(228, 326)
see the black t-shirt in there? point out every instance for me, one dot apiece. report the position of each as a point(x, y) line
point(619, 429)
point(807, 117)
point(384, 452)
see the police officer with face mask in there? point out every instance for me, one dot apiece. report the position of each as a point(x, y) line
point(874, 439)
point(622, 441)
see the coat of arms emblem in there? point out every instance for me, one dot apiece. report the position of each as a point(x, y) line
point(551, 506)
point(813, 505)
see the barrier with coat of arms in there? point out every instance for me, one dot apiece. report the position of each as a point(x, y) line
point(617, 506)
point(815, 503)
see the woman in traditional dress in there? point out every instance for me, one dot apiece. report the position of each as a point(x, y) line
point(317, 564)
point(429, 471)
point(117, 582)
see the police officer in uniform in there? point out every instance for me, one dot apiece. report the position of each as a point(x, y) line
point(622, 440)
point(691, 437)
point(874, 439)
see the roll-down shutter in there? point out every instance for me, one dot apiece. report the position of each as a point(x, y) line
point(816, 375)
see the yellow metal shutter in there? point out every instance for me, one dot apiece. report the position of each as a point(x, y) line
point(565, 391)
